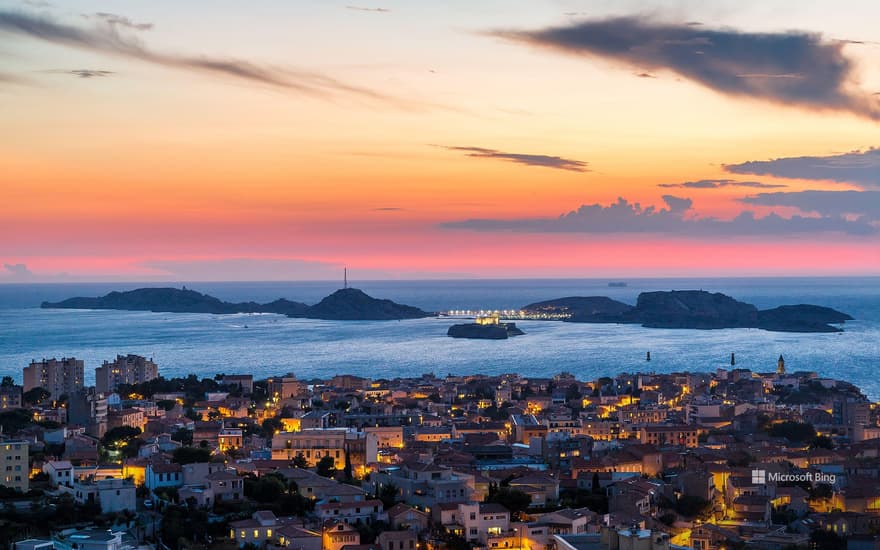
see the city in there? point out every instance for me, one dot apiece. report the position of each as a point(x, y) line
point(702, 460)
point(458, 275)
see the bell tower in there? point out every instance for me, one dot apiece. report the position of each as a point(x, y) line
point(780, 366)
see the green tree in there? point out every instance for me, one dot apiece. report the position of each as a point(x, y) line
point(118, 435)
point(514, 500)
point(347, 469)
point(272, 425)
point(299, 461)
point(188, 455)
point(35, 396)
point(797, 432)
point(388, 495)
point(326, 467)
point(183, 435)
point(7, 382)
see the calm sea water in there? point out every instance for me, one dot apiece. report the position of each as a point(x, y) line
point(269, 344)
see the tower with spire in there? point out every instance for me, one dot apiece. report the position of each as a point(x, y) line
point(780, 366)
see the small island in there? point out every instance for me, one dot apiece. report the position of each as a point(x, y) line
point(485, 328)
point(346, 304)
point(691, 309)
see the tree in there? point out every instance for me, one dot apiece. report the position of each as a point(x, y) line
point(514, 500)
point(347, 470)
point(14, 420)
point(272, 425)
point(35, 396)
point(118, 435)
point(388, 495)
point(7, 382)
point(691, 506)
point(797, 432)
point(188, 455)
point(326, 467)
point(299, 461)
point(183, 435)
point(267, 488)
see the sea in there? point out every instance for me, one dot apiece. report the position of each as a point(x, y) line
point(266, 344)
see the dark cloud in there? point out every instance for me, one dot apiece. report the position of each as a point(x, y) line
point(792, 68)
point(645, 75)
point(676, 219)
point(120, 20)
point(388, 209)
point(859, 167)
point(715, 184)
point(546, 161)
point(362, 8)
point(107, 39)
point(826, 203)
point(83, 73)
point(17, 272)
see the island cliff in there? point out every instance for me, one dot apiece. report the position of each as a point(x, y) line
point(497, 331)
point(693, 309)
point(348, 304)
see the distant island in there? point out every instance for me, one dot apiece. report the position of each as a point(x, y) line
point(485, 328)
point(693, 309)
point(346, 304)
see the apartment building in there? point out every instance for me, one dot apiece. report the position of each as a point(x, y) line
point(58, 377)
point(14, 464)
point(125, 369)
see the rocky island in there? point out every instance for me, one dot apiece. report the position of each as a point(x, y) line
point(485, 328)
point(693, 309)
point(349, 304)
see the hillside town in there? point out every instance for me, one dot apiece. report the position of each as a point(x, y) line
point(643, 461)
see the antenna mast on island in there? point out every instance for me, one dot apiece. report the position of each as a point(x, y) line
point(344, 277)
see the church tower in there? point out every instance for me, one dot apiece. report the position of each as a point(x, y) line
point(780, 366)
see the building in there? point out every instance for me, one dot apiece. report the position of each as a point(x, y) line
point(244, 382)
point(313, 445)
point(397, 540)
point(354, 512)
point(60, 472)
point(10, 397)
point(283, 387)
point(338, 534)
point(113, 495)
point(88, 409)
point(133, 418)
point(90, 539)
point(163, 475)
point(426, 485)
point(64, 377)
point(261, 528)
point(125, 369)
point(229, 438)
point(484, 520)
point(661, 435)
point(14, 464)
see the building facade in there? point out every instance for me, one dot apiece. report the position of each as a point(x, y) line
point(14, 471)
point(125, 369)
point(64, 377)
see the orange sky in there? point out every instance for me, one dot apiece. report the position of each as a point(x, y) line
point(159, 164)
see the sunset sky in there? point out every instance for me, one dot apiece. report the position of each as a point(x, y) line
point(230, 140)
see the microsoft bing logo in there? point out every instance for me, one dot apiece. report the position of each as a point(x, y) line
point(761, 477)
